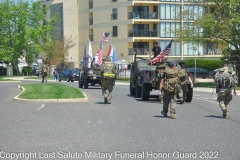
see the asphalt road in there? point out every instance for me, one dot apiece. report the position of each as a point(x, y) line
point(126, 129)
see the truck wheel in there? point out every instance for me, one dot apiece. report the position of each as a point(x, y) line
point(85, 83)
point(145, 92)
point(137, 90)
point(132, 90)
point(80, 84)
point(189, 94)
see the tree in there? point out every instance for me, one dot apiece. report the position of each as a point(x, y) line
point(219, 22)
point(56, 52)
point(21, 29)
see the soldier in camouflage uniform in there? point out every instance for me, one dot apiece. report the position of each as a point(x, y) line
point(224, 81)
point(44, 73)
point(168, 84)
point(184, 79)
point(158, 75)
point(108, 71)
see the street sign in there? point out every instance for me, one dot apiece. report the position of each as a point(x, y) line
point(39, 59)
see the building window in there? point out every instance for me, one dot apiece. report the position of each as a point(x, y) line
point(90, 4)
point(167, 29)
point(115, 31)
point(114, 13)
point(62, 28)
point(191, 12)
point(61, 12)
point(170, 11)
point(175, 48)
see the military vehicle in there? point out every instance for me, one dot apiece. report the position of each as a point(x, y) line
point(89, 75)
point(142, 79)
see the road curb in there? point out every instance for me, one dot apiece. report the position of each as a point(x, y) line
point(50, 100)
point(10, 81)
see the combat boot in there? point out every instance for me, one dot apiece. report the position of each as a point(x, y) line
point(161, 101)
point(173, 116)
point(181, 101)
point(224, 112)
point(225, 115)
point(109, 101)
point(164, 114)
point(184, 102)
point(105, 100)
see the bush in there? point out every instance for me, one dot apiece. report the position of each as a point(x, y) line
point(3, 71)
point(26, 70)
point(209, 65)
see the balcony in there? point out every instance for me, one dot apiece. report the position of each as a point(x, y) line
point(142, 15)
point(90, 5)
point(90, 21)
point(114, 16)
point(138, 51)
point(91, 37)
point(142, 33)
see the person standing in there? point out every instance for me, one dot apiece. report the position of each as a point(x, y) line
point(224, 81)
point(55, 75)
point(156, 49)
point(108, 71)
point(184, 79)
point(44, 74)
point(168, 84)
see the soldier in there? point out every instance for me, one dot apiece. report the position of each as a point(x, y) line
point(168, 84)
point(184, 79)
point(44, 73)
point(224, 81)
point(108, 71)
point(158, 75)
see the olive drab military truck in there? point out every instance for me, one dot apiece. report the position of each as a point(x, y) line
point(142, 79)
point(89, 76)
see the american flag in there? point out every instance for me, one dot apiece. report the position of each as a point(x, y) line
point(105, 36)
point(160, 57)
point(100, 54)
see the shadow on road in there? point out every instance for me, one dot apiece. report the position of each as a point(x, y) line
point(160, 116)
point(213, 116)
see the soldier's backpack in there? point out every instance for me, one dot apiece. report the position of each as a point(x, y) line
point(109, 70)
point(160, 68)
point(225, 79)
point(182, 74)
point(171, 79)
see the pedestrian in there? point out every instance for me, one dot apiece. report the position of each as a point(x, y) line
point(55, 74)
point(168, 84)
point(158, 77)
point(108, 71)
point(44, 72)
point(156, 49)
point(225, 80)
point(184, 80)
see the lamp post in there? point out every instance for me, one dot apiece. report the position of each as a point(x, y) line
point(122, 62)
point(195, 72)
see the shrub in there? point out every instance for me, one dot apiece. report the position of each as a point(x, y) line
point(209, 65)
point(26, 70)
point(3, 71)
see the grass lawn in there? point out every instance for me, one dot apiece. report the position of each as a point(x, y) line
point(50, 91)
point(6, 78)
point(208, 85)
point(36, 77)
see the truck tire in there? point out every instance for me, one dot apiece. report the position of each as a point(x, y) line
point(85, 83)
point(137, 90)
point(80, 82)
point(132, 90)
point(189, 93)
point(145, 92)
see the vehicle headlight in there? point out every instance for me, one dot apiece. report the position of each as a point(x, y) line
point(90, 71)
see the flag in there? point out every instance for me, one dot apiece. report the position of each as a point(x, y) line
point(100, 54)
point(110, 51)
point(114, 59)
point(165, 52)
point(105, 36)
point(84, 56)
point(90, 56)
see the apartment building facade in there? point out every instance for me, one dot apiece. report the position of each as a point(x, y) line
point(134, 26)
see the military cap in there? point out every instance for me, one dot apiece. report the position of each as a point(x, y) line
point(170, 64)
point(107, 59)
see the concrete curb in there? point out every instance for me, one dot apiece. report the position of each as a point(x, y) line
point(10, 81)
point(50, 100)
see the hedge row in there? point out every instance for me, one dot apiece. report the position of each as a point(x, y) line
point(209, 65)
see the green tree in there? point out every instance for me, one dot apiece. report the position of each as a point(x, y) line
point(22, 29)
point(219, 22)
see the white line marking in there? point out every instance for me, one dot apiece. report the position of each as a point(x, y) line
point(43, 105)
point(207, 100)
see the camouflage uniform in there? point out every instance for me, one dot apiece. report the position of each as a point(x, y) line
point(169, 96)
point(158, 75)
point(183, 85)
point(107, 82)
point(44, 73)
point(225, 93)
